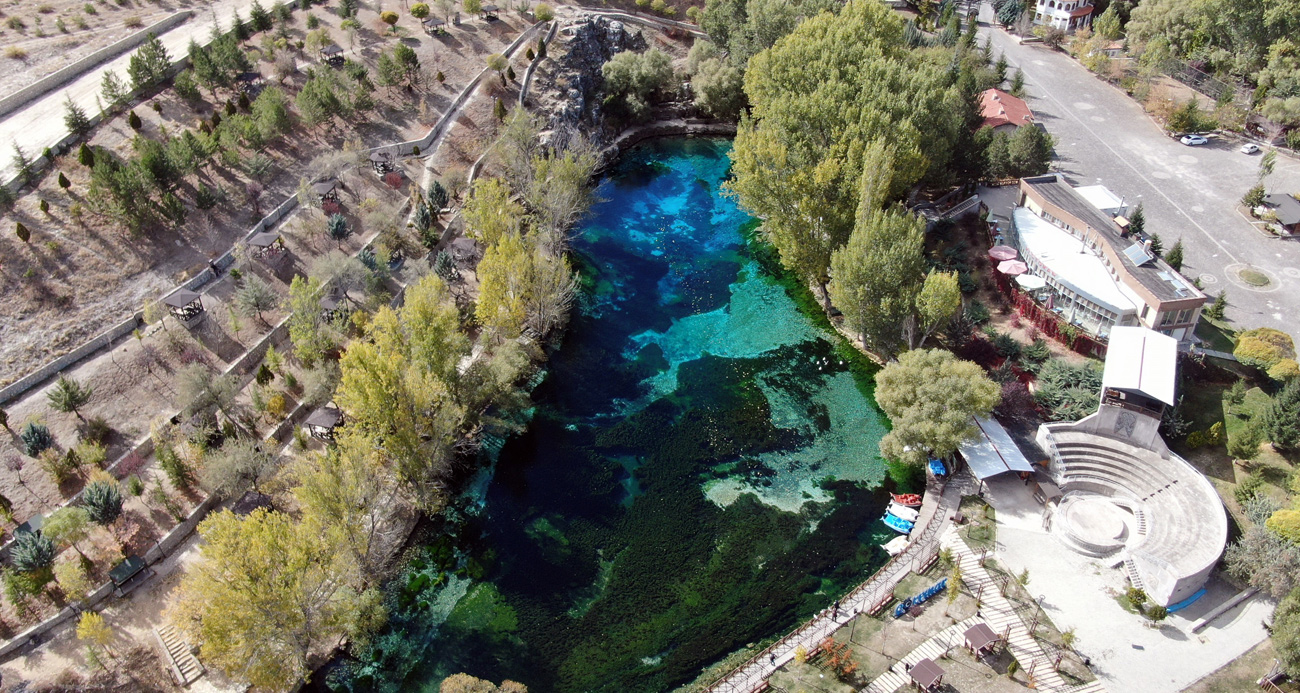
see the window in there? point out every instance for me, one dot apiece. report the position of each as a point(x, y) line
point(1184, 315)
point(1145, 310)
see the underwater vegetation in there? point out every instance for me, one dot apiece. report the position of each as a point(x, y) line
point(700, 472)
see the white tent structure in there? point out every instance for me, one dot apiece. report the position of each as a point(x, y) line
point(992, 451)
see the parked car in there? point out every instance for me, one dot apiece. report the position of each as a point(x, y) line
point(1249, 148)
point(1193, 140)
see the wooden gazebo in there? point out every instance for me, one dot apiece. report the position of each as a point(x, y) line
point(186, 306)
point(434, 26)
point(334, 305)
point(926, 675)
point(326, 190)
point(980, 639)
point(489, 12)
point(323, 421)
point(266, 246)
point(332, 54)
point(382, 161)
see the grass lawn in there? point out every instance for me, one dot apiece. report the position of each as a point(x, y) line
point(1215, 334)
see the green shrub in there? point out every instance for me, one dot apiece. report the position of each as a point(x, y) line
point(31, 552)
point(977, 313)
point(103, 501)
point(36, 438)
point(1249, 488)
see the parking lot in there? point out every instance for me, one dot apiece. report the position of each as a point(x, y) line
point(1192, 193)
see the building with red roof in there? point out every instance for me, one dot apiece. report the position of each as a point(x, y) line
point(1002, 111)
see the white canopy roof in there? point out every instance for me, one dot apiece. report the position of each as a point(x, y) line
point(992, 451)
point(1141, 360)
point(1075, 267)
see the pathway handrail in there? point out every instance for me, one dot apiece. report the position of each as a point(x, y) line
point(741, 679)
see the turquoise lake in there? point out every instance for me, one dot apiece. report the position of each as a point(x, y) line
point(701, 470)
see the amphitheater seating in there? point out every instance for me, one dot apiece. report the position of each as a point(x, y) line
point(1178, 527)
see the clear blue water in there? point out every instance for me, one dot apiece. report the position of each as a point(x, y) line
point(701, 470)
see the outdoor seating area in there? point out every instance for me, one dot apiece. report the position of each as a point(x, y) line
point(326, 190)
point(335, 306)
point(926, 675)
point(267, 246)
point(332, 54)
point(129, 574)
point(1125, 493)
point(980, 639)
point(186, 306)
point(489, 13)
point(249, 83)
point(434, 26)
point(322, 423)
point(382, 161)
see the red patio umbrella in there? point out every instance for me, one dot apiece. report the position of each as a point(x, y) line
point(1012, 267)
point(1003, 252)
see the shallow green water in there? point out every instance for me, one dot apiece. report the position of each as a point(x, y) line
point(701, 471)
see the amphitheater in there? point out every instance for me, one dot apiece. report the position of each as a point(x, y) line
point(1126, 498)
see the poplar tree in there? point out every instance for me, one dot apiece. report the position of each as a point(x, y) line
point(489, 212)
point(818, 97)
point(265, 594)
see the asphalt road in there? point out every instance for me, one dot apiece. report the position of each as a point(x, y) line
point(1103, 136)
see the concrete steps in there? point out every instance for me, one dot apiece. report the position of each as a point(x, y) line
point(182, 663)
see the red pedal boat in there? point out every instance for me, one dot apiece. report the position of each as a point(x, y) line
point(911, 500)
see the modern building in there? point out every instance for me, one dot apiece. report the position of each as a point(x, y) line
point(1126, 498)
point(1004, 112)
point(1098, 275)
point(1066, 15)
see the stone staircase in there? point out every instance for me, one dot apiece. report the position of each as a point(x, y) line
point(184, 666)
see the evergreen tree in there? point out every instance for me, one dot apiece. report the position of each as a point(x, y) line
point(134, 121)
point(74, 118)
point(31, 552)
point(1137, 222)
point(237, 27)
point(258, 18)
point(22, 164)
point(1000, 68)
point(438, 197)
point(86, 156)
point(69, 396)
point(1175, 255)
point(1220, 305)
point(1282, 421)
point(338, 229)
point(64, 182)
point(113, 90)
point(1157, 246)
point(149, 64)
point(1018, 83)
point(103, 501)
point(36, 438)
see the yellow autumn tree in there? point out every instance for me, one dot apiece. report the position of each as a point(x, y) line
point(398, 387)
point(265, 593)
point(490, 213)
point(523, 289)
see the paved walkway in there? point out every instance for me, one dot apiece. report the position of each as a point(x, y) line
point(941, 500)
point(937, 646)
point(1001, 616)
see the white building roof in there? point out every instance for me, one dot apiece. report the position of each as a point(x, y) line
point(1101, 197)
point(1059, 252)
point(992, 451)
point(1142, 360)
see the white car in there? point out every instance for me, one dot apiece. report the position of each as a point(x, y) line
point(1249, 148)
point(1193, 140)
